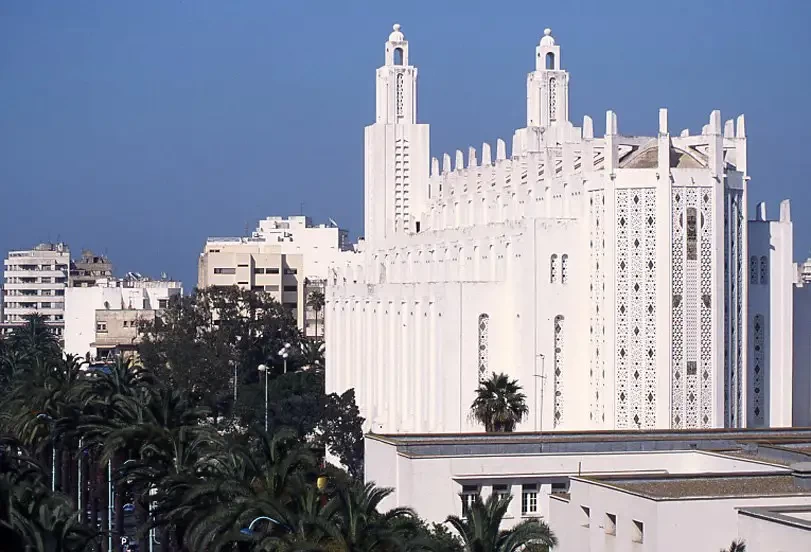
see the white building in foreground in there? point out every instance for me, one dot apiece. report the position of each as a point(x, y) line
point(616, 277)
point(102, 320)
point(614, 491)
point(288, 258)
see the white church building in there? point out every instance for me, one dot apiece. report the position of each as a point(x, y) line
point(617, 278)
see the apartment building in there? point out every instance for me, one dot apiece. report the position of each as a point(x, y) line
point(89, 268)
point(34, 282)
point(286, 257)
point(101, 320)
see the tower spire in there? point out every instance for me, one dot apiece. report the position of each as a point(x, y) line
point(547, 86)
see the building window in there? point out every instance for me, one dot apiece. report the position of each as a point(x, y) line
point(126, 324)
point(553, 269)
point(242, 266)
point(272, 270)
point(225, 270)
point(290, 271)
point(638, 532)
point(610, 524)
point(468, 495)
point(501, 491)
point(163, 303)
point(692, 250)
point(291, 306)
point(274, 287)
point(45, 305)
point(586, 516)
point(564, 269)
point(560, 487)
point(258, 270)
point(529, 499)
point(484, 335)
point(764, 270)
point(101, 327)
point(290, 288)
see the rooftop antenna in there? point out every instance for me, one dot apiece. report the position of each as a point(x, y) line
point(332, 222)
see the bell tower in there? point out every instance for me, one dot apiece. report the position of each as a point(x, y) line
point(396, 149)
point(547, 86)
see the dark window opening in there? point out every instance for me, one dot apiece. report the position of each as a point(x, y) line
point(550, 60)
point(692, 248)
point(398, 56)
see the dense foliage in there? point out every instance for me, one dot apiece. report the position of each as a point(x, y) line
point(188, 470)
point(499, 404)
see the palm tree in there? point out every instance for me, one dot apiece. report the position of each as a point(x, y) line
point(312, 354)
point(480, 531)
point(499, 404)
point(736, 546)
point(316, 302)
point(34, 338)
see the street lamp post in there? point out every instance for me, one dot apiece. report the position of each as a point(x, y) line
point(50, 421)
point(284, 352)
point(542, 377)
point(263, 368)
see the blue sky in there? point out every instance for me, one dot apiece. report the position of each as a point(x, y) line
point(138, 129)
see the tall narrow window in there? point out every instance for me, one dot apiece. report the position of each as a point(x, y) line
point(558, 379)
point(564, 268)
point(553, 100)
point(550, 60)
point(398, 56)
point(399, 94)
point(484, 334)
point(529, 499)
point(692, 249)
point(468, 496)
point(553, 269)
point(502, 491)
point(764, 270)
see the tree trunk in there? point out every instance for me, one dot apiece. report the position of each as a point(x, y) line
point(102, 484)
point(93, 496)
point(141, 523)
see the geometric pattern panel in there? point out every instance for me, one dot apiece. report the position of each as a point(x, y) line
point(691, 308)
point(757, 412)
point(596, 307)
point(484, 335)
point(636, 309)
point(734, 327)
point(559, 365)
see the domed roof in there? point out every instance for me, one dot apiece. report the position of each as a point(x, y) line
point(396, 35)
point(547, 39)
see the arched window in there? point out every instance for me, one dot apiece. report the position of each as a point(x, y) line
point(484, 334)
point(550, 60)
point(558, 366)
point(398, 56)
point(564, 268)
point(764, 270)
point(553, 269)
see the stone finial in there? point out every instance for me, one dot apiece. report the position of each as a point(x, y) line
point(471, 157)
point(486, 159)
point(446, 163)
point(501, 150)
point(741, 131)
point(434, 166)
point(685, 132)
point(610, 123)
point(729, 129)
point(715, 122)
point(785, 210)
point(760, 211)
point(460, 161)
point(548, 39)
point(396, 35)
point(588, 128)
point(663, 120)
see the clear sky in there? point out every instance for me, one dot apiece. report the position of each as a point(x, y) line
point(138, 129)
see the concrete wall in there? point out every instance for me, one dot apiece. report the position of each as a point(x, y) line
point(764, 535)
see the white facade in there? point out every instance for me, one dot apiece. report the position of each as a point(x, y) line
point(608, 274)
point(619, 514)
point(34, 282)
point(82, 304)
point(666, 490)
